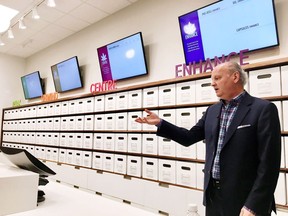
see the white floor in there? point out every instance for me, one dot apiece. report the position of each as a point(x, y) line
point(64, 200)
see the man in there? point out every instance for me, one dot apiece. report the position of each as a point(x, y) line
point(243, 146)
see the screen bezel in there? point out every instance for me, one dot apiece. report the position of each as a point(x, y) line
point(78, 72)
point(143, 54)
point(214, 3)
point(37, 73)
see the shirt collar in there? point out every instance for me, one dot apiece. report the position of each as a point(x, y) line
point(235, 101)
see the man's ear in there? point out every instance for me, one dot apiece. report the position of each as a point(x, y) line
point(236, 76)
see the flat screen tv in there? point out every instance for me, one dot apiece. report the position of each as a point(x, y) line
point(228, 26)
point(32, 85)
point(123, 59)
point(66, 75)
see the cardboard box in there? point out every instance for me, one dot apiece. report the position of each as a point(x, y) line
point(167, 95)
point(99, 103)
point(185, 93)
point(122, 100)
point(98, 141)
point(88, 122)
point(205, 92)
point(120, 164)
point(108, 162)
point(150, 144)
point(110, 102)
point(150, 97)
point(150, 168)
point(186, 173)
point(109, 141)
point(121, 121)
point(284, 80)
point(135, 99)
point(97, 160)
point(121, 142)
point(265, 82)
point(167, 171)
point(134, 142)
point(166, 147)
point(134, 166)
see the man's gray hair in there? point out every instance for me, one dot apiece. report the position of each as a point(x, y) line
point(233, 67)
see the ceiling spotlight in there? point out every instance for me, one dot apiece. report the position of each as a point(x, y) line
point(51, 3)
point(35, 14)
point(10, 33)
point(21, 24)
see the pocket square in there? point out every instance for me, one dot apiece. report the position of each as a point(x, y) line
point(243, 126)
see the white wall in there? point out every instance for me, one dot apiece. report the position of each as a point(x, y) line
point(11, 69)
point(158, 21)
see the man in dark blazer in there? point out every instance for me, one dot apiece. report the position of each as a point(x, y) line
point(243, 146)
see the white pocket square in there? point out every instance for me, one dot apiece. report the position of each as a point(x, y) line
point(243, 126)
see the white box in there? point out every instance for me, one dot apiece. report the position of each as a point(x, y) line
point(99, 123)
point(265, 82)
point(64, 123)
point(280, 113)
point(62, 155)
point(132, 124)
point(71, 139)
point(135, 99)
point(185, 93)
point(168, 115)
point(88, 104)
point(88, 140)
point(167, 95)
point(79, 140)
point(166, 147)
point(167, 171)
point(98, 141)
point(78, 158)
point(200, 150)
point(186, 117)
point(283, 153)
point(99, 103)
point(14, 197)
point(109, 141)
point(72, 106)
point(79, 106)
point(64, 107)
point(55, 154)
point(56, 123)
point(285, 115)
point(87, 159)
point(120, 163)
point(50, 124)
point(281, 190)
point(110, 102)
point(63, 139)
point(134, 142)
point(57, 108)
point(121, 121)
point(150, 168)
point(108, 162)
point(150, 97)
point(147, 127)
point(150, 144)
point(134, 166)
point(122, 100)
point(200, 176)
point(79, 123)
point(284, 80)
point(204, 91)
point(200, 111)
point(285, 142)
point(70, 156)
point(109, 120)
point(97, 160)
point(186, 173)
point(121, 142)
point(71, 123)
point(88, 122)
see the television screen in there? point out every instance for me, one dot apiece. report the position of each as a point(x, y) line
point(123, 59)
point(32, 85)
point(228, 26)
point(66, 75)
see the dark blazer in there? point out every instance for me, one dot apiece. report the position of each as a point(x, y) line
point(250, 157)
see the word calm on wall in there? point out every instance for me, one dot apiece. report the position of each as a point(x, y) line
point(207, 66)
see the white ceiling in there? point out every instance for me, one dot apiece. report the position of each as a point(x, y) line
point(55, 24)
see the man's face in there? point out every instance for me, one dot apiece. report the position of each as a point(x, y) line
point(224, 82)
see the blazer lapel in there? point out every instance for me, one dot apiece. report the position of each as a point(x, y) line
point(241, 112)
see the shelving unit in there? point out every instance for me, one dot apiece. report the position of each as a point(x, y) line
point(93, 142)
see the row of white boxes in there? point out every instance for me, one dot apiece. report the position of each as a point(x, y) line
point(262, 83)
point(122, 121)
point(176, 172)
point(170, 171)
point(113, 142)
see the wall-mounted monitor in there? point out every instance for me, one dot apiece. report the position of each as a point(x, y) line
point(123, 59)
point(66, 75)
point(228, 26)
point(32, 85)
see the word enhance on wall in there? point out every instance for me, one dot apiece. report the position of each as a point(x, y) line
point(182, 70)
